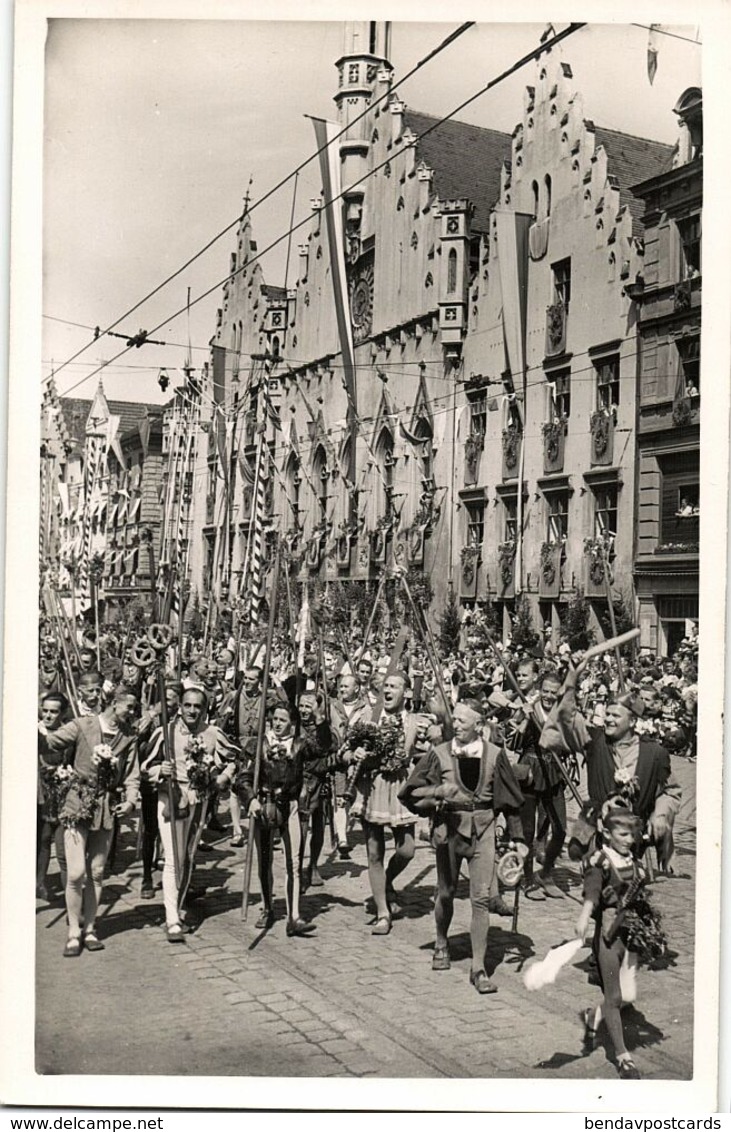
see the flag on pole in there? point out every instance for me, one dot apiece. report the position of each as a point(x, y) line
point(325, 134)
point(652, 50)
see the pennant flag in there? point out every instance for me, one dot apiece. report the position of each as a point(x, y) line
point(144, 430)
point(325, 134)
point(652, 50)
point(247, 472)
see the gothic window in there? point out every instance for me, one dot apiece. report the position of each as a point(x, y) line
point(425, 434)
point(383, 487)
point(320, 481)
point(293, 479)
point(353, 73)
point(534, 190)
point(548, 188)
point(452, 271)
point(510, 517)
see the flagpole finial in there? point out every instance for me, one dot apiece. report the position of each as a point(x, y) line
point(247, 197)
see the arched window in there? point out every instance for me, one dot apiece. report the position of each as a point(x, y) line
point(534, 189)
point(425, 434)
point(292, 480)
point(452, 271)
point(547, 183)
point(383, 486)
point(320, 481)
point(275, 346)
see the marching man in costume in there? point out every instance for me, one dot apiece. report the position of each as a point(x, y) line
point(462, 785)
point(101, 752)
point(377, 802)
point(618, 760)
point(201, 760)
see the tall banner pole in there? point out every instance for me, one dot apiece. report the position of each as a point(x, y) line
point(260, 731)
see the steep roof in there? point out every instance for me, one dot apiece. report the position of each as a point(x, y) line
point(466, 160)
point(76, 411)
point(631, 160)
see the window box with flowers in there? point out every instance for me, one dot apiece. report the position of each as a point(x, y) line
point(506, 568)
point(554, 442)
point(597, 567)
point(512, 437)
point(550, 570)
point(601, 426)
point(473, 448)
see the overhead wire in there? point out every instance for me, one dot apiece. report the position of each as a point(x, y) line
point(549, 44)
point(280, 184)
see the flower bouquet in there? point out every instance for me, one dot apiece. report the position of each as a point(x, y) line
point(55, 781)
point(200, 767)
point(383, 745)
point(628, 785)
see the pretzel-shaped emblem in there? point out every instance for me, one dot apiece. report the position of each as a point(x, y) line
point(142, 653)
point(510, 868)
point(159, 636)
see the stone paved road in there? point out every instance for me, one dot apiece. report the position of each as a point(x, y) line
point(345, 1003)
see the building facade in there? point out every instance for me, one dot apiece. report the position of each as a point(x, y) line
point(668, 294)
point(457, 391)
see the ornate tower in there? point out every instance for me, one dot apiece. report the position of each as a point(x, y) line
point(364, 72)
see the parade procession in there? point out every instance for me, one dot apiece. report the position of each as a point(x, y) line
point(368, 647)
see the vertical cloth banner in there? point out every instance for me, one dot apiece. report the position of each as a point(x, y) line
point(652, 53)
point(513, 258)
point(325, 133)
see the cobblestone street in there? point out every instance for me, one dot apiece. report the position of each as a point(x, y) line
point(344, 1002)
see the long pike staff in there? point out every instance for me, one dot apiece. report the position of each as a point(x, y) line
point(431, 652)
point(369, 627)
point(68, 670)
point(260, 731)
point(326, 705)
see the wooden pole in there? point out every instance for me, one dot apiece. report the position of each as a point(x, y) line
point(260, 732)
point(612, 621)
point(381, 583)
point(431, 652)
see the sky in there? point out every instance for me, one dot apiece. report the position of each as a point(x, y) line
point(153, 129)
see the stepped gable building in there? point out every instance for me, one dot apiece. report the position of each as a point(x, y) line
point(360, 477)
point(545, 428)
point(668, 295)
point(487, 433)
point(98, 493)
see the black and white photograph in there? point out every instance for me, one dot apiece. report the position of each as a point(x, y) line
point(369, 470)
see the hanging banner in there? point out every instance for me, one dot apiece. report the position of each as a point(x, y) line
point(325, 134)
point(513, 252)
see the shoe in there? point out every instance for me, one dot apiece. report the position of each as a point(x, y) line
point(194, 894)
point(440, 959)
point(382, 926)
point(204, 847)
point(92, 942)
point(533, 891)
point(265, 919)
point(300, 927)
point(41, 892)
point(627, 1069)
point(315, 879)
point(549, 887)
point(344, 852)
point(498, 907)
point(588, 1018)
point(147, 892)
point(393, 901)
point(238, 842)
point(481, 983)
point(72, 950)
point(175, 933)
